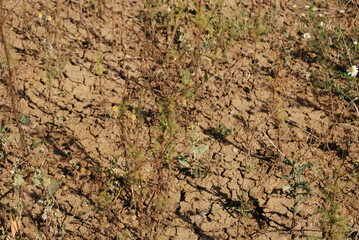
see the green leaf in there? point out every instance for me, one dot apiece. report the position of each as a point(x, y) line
point(37, 182)
point(59, 122)
point(18, 181)
point(289, 162)
point(186, 77)
point(183, 163)
point(198, 150)
point(37, 177)
point(53, 186)
point(175, 54)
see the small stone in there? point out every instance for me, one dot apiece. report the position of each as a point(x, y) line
point(83, 164)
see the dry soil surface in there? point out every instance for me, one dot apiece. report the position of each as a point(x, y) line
point(97, 54)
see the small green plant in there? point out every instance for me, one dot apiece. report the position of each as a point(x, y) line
point(222, 131)
point(50, 186)
point(148, 144)
point(193, 159)
point(197, 167)
point(297, 187)
point(334, 225)
point(104, 198)
point(244, 205)
point(24, 119)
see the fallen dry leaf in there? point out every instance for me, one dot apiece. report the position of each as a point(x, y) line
point(15, 226)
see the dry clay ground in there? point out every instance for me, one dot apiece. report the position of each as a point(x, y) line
point(97, 54)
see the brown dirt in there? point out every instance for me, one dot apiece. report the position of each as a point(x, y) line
point(80, 141)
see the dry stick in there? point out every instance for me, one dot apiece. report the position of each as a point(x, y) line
point(274, 144)
point(355, 106)
point(11, 84)
point(2, 20)
point(173, 34)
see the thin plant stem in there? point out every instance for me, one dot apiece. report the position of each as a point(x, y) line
point(11, 79)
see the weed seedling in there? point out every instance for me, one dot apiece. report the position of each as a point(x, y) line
point(193, 159)
point(50, 187)
point(222, 131)
point(334, 224)
point(244, 205)
point(297, 188)
point(24, 119)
